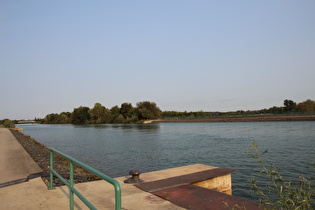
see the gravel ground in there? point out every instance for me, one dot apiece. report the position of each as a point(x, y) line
point(40, 155)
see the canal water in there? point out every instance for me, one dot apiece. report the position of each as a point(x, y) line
point(115, 149)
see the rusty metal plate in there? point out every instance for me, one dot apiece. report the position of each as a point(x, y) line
point(194, 197)
point(184, 179)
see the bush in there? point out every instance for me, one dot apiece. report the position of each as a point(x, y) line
point(281, 194)
point(8, 124)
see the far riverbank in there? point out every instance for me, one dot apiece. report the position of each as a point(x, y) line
point(260, 118)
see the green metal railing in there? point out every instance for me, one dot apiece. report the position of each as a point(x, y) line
point(70, 184)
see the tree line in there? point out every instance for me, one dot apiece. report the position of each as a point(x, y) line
point(99, 114)
point(289, 107)
point(146, 110)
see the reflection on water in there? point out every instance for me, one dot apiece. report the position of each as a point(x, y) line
point(115, 149)
point(140, 127)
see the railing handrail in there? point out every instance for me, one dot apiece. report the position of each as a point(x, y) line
point(70, 184)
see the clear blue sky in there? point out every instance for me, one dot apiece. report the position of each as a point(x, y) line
point(181, 54)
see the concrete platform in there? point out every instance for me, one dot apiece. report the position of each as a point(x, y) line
point(34, 194)
point(15, 163)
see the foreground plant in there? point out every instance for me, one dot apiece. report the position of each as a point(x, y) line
point(281, 194)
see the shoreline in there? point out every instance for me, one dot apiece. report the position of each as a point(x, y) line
point(261, 118)
point(40, 154)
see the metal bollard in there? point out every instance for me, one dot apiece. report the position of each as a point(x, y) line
point(135, 177)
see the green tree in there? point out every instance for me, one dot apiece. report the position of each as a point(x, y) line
point(52, 118)
point(148, 110)
point(80, 115)
point(115, 116)
point(67, 116)
point(275, 110)
point(99, 114)
point(306, 106)
point(64, 117)
point(126, 110)
point(200, 114)
point(129, 113)
point(289, 105)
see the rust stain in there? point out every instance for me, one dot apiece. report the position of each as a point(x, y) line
point(194, 197)
point(154, 199)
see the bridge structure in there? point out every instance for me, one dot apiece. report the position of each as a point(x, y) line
point(26, 122)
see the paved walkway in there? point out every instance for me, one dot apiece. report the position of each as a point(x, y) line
point(15, 163)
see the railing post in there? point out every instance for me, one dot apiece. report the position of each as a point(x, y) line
point(71, 186)
point(51, 165)
point(117, 197)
